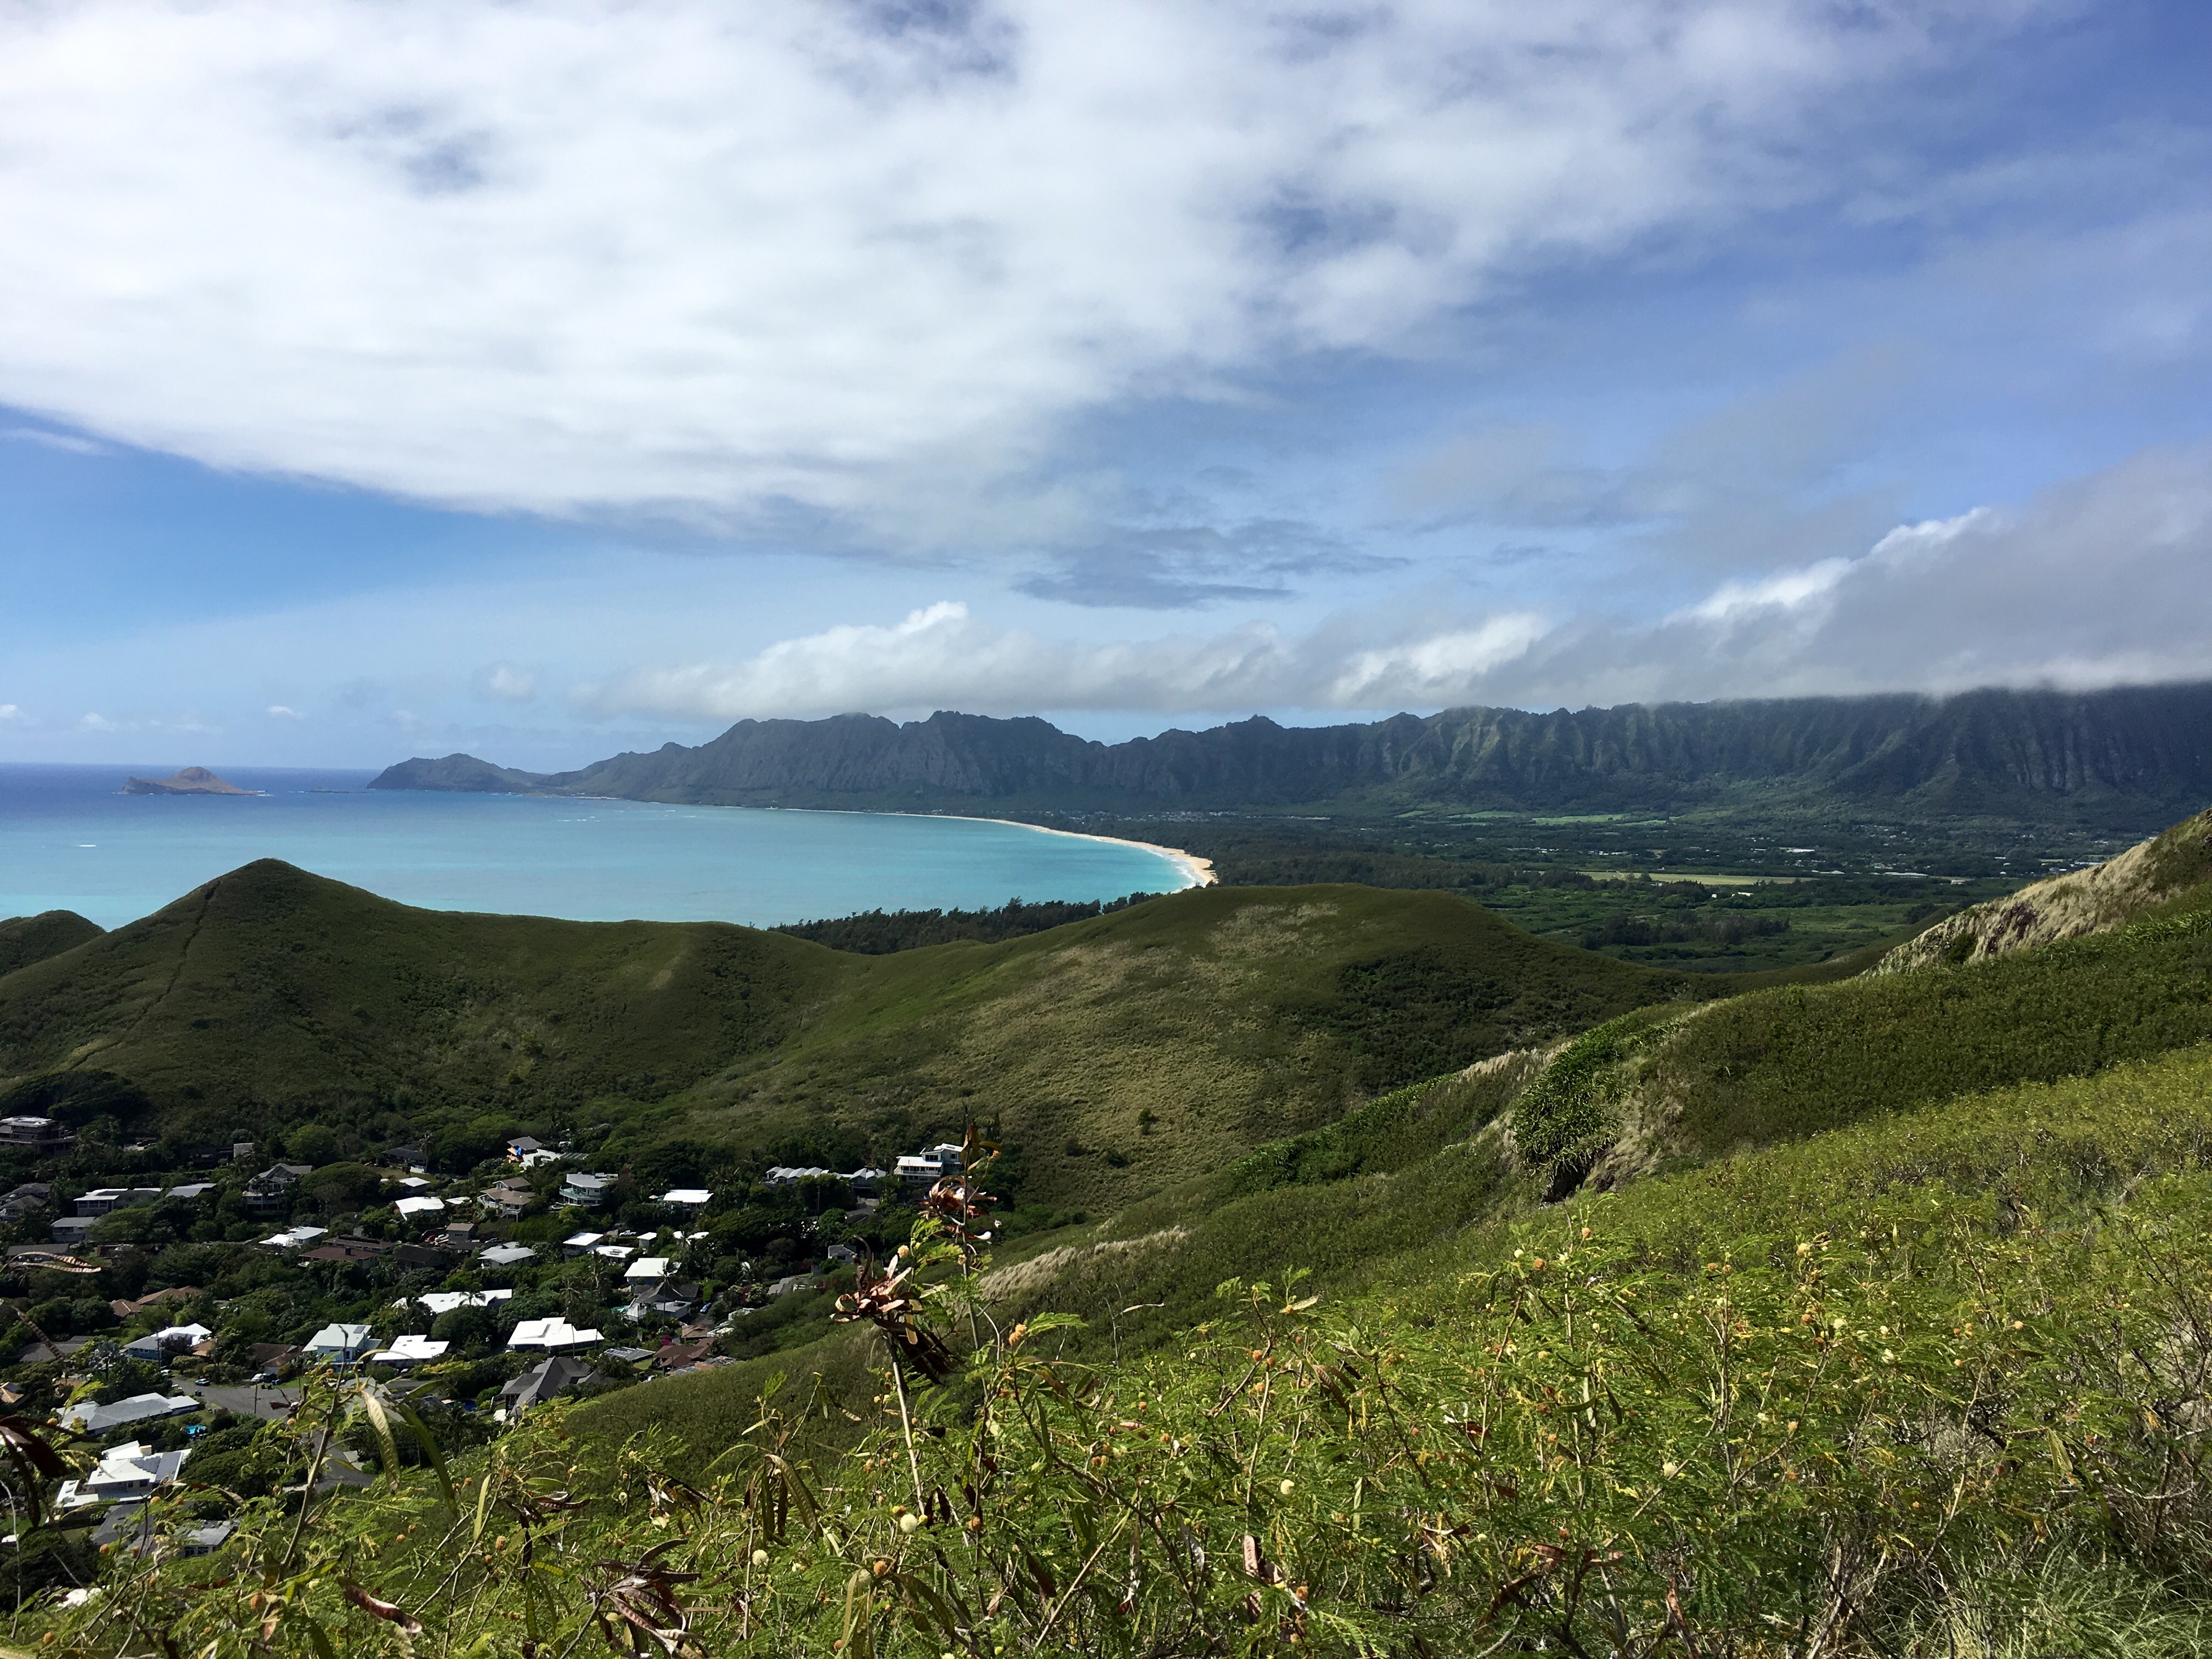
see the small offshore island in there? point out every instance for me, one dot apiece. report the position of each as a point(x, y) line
point(192, 781)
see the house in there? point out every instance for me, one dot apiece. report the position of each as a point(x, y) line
point(556, 1375)
point(930, 1165)
point(419, 1255)
point(587, 1190)
point(38, 1353)
point(507, 1256)
point(788, 1175)
point(628, 1356)
point(272, 1189)
point(460, 1236)
point(413, 1185)
point(157, 1346)
point(70, 1231)
point(844, 1255)
point(26, 1200)
point(444, 1302)
point(124, 1309)
point(522, 1146)
point(411, 1207)
point(794, 1282)
point(407, 1158)
point(408, 1351)
point(510, 1198)
point(542, 1155)
point(96, 1419)
point(205, 1541)
point(866, 1182)
point(673, 1298)
point(551, 1333)
point(615, 1252)
point(105, 1200)
point(34, 1135)
point(128, 1473)
point(581, 1243)
point(675, 1356)
point(293, 1238)
point(650, 1269)
point(690, 1200)
point(271, 1356)
point(190, 1192)
point(339, 1343)
point(347, 1249)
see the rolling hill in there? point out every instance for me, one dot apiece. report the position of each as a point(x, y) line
point(1119, 1053)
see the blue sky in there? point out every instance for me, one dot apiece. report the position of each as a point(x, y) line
point(551, 378)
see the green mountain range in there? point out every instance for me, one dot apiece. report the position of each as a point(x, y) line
point(2131, 757)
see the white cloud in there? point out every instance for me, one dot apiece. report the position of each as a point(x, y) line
point(942, 657)
point(45, 440)
point(278, 711)
point(503, 682)
point(11, 715)
point(2101, 580)
point(567, 254)
point(95, 722)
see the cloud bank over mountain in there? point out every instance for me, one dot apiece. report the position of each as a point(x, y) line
point(2050, 593)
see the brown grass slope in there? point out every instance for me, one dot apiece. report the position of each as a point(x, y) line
point(1142, 1048)
point(2079, 902)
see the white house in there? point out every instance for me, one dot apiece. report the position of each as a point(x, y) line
point(585, 1189)
point(551, 1333)
point(408, 1207)
point(91, 1419)
point(444, 1302)
point(103, 1200)
point(128, 1473)
point(581, 1243)
point(691, 1199)
point(790, 1175)
point(409, 1350)
point(507, 1256)
point(157, 1345)
point(648, 1268)
point(295, 1238)
point(342, 1343)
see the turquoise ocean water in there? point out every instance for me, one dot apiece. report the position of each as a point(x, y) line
point(68, 840)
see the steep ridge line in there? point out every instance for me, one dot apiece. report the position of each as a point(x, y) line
point(1977, 752)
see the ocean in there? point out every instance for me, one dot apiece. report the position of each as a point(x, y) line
point(70, 840)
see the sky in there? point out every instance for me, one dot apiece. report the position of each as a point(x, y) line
point(546, 378)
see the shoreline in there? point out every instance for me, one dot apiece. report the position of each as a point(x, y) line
point(1199, 870)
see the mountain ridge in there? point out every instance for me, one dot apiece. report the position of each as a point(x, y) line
point(2127, 750)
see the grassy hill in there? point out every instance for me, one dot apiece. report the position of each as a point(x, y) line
point(27, 939)
point(1921, 1385)
point(1120, 1054)
point(270, 997)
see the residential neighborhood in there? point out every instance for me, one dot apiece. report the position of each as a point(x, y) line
point(169, 1306)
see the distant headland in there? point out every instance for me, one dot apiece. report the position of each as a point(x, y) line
point(192, 781)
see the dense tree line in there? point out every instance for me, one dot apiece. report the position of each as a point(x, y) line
point(878, 932)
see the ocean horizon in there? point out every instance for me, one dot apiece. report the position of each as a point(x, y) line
point(69, 840)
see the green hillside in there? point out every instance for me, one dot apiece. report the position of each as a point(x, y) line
point(1119, 1053)
point(270, 997)
point(27, 939)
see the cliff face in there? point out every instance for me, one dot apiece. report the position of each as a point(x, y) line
point(2149, 749)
